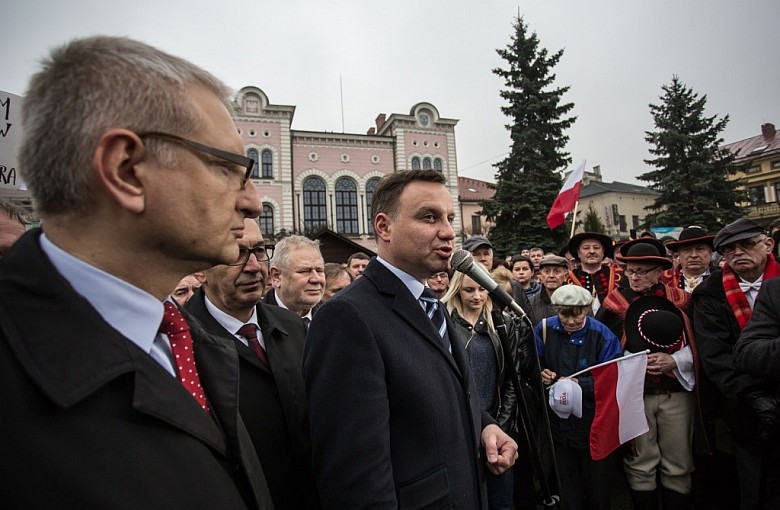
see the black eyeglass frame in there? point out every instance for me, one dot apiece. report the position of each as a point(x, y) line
point(743, 244)
point(639, 272)
point(268, 249)
point(237, 159)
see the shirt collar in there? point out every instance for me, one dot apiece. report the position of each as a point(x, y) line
point(413, 284)
point(227, 321)
point(133, 312)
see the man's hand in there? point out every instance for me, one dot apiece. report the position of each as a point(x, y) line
point(501, 449)
point(659, 363)
point(765, 407)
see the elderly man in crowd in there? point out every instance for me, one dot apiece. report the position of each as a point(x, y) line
point(723, 307)
point(590, 249)
point(298, 276)
point(269, 341)
point(694, 251)
point(111, 397)
point(336, 279)
point(553, 271)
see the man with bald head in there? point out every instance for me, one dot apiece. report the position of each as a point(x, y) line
point(269, 340)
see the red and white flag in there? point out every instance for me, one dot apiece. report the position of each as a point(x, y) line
point(620, 406)
point(567, 198)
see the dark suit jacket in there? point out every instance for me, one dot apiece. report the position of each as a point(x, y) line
point(91, 421)
point(395, 418)
point(273, 401)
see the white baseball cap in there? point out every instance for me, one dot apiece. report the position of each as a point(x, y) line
point(566, 398)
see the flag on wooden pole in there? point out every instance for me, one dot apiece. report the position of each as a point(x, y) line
point(567, 198)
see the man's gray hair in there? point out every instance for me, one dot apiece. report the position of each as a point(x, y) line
point(87, 87)
point(14, 212)
point(288, 245)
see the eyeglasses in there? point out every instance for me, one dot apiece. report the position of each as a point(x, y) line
point(237, 159)
point(747, 244)
point(262, 254)
point(639, 272)
point(439, 276)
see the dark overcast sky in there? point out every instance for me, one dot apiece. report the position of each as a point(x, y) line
point(392, 55)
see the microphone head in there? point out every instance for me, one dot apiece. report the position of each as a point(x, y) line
point(461, 260)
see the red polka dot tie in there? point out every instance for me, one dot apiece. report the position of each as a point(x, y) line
point(178, 332)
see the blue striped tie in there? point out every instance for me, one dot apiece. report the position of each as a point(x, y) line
point(435, 310)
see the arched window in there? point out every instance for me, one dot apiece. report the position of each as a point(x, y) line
point(315, 210)
point(268, 164)
point(346, 207)
point(415, 163)
point(252, 153)
point(370, 185)
point(437, 165)
point(267, 222)
point(426, 163)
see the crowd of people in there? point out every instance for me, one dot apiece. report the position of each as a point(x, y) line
point(157, 352)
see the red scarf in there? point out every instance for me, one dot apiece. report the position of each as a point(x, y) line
point(736, 298)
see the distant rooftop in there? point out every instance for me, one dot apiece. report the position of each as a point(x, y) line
point(757, 146)
point(594, 188)
point(472, 190)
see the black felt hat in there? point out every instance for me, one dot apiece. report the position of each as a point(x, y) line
point(655, 323)
point(576, 241)
point(644, 249)
point(691, 235)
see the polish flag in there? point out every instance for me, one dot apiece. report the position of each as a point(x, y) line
point(567, 198)
point(620, 406)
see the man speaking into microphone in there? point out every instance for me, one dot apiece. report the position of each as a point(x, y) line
point(395, 415)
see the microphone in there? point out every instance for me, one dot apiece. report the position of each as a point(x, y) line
point(463, 262)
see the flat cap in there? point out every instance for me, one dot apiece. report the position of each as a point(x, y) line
point(553, 260)
point(474, 242)
point(743, 228)
point(571, 295)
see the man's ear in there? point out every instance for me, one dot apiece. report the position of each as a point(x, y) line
point(115, 163)
point(201, 277)
point(276, 276)
point(382, 224)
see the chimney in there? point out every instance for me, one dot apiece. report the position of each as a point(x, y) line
point(769, 131)
point(371, 131)
point(380, 121)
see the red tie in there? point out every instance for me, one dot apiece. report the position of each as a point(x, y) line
point(178, 332)
point(249, 331)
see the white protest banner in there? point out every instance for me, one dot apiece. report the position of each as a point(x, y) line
point(10, 139)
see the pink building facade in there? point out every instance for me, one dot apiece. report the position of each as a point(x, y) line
point(309, 180)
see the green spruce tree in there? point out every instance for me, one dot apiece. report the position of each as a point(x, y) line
point(592, 222)
point(526, 180)
point(691, 168)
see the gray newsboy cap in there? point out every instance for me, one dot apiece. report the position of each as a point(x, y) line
point(553, 260)
point(739, 230)
point(571, 295)
point(474, 242)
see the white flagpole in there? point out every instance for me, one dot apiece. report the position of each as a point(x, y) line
point(574, 218)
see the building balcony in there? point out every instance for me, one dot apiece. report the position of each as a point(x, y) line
point(768, 210)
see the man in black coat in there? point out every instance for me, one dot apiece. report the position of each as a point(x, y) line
point(271, 394)
point(395, 415)
point(722, 307)
point(138, 174)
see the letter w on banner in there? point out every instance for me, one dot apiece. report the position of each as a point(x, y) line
point(620, 406)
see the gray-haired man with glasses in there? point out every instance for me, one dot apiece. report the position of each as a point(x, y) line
point(723, 306)
point(112, 397)
point(269, 340)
